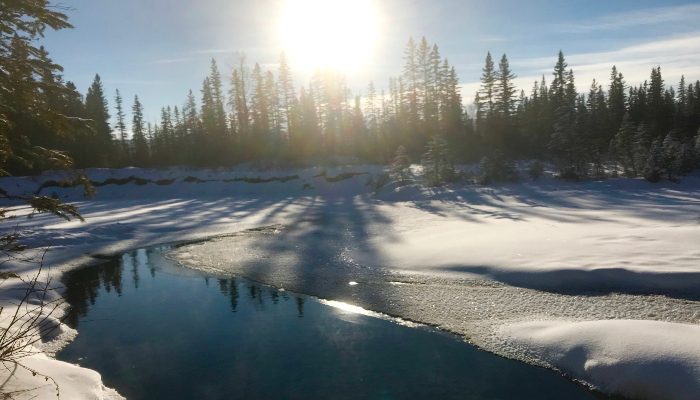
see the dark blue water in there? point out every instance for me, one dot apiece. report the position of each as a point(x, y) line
point(158, 331)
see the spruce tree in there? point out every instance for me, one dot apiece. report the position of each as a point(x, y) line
point(273, 104)
point(641, 146)
point(218, 100)
point(238, 103)
point(438, 167)
point(486, 96)
point(141, 154)
point(191, 126)
point(623, 146)
point(682, 95)
point(400, 166)
point(287, 96)
point(498, 168)
point(672, 154)
point(563, 141)
point(558, 87)
point(121, 125)
point(97, 110)
point(434, 88)
point(21, 24)
point(451, 114)
point(260, 113)
point(505, 89)
point(653, 166)
point(410, 78)
point(616, 99)
point(424, 78)
point(371, 112)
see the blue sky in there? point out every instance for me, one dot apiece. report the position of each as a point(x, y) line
point(159, 49)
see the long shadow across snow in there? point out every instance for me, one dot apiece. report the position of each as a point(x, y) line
point(680, 285)
point(311, 253)
point(561, 201)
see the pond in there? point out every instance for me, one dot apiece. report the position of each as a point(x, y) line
point(155, 330)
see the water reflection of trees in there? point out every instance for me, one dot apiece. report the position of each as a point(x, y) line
point(258, 295)
point(82, 287)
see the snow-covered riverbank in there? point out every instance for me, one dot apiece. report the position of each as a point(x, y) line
point(516, 268)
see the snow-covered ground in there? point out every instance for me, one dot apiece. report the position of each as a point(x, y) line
point(567, 275)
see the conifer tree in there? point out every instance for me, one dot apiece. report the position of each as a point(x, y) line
point(265, 119)
point(191, 122)
point(97, 110)
point(451, 103)
point(653, 169)
point(505, 89)
point(217, 100)
point(286, 96)
point(410, 78)
point(424, 78)
point(371, 111)
point(623, 147)
point(141, 154)
point(641, 146)
point(682, 95)
point(21, 23)
point(597, 130)
point(659, 110)
point(438, 167)
point(558, 87)
point(400, 166)
point(486, 96)
point(164, 140)
point(308, 140)
point(238, 102)
point(273, 104)
point(259, 111)
point(672, 155)
point(121, 125)
point(616, 99)
point(434, 88)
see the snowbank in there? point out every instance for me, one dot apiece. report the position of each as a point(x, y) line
point(74, 382)
point(637, 359)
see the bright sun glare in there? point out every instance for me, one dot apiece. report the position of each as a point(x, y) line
point(336, 34)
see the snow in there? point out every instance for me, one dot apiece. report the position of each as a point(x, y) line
point(638, 359)
point(480, 261)
point(73, 382)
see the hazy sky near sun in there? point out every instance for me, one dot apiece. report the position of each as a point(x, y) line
point(159, 49)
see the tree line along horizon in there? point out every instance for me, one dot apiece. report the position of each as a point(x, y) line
point(646, 130)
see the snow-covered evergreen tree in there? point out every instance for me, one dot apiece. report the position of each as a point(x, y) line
point(622, 146)
point(400, 166)
point(499, 168)
point(641, 146)
point(437, 163)
point(672, 155)
point(653, 167)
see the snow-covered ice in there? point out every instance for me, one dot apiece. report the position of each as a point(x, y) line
point(481, 261)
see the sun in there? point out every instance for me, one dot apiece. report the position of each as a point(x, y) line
point(329, 34)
